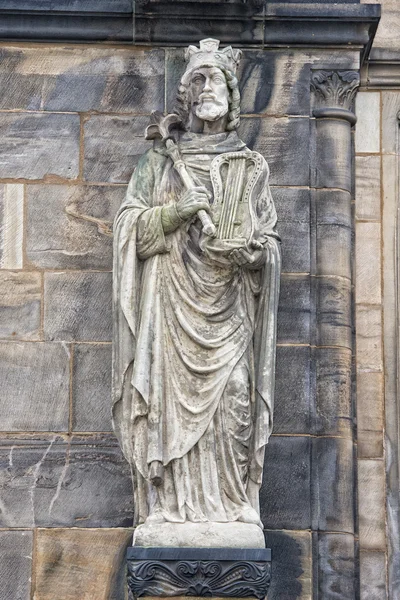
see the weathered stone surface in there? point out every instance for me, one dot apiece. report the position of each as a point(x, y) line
point(370, 415)
point(11, 226)
point(295, 247)
point(333, 250)
point(35, 386)
point(79, 79)
point(333, 154)
point(294, 310)
point(292, 565)
point(58, 239)
point(278, 138)
point(390, 109)
point(368, 187)
point(367, 136)
point(77, 306)
point(371, 504)
point(332, 476)
point(20, 305)
point(335, 576)
point(292, 390)
point(372, 576)
point(292, 204)
point(285, 493)
point(333, 386)
point(84, 564)
point(15, 565)
point(91, 387)
point(369, 338)
point(334, 312)
point(35, 145)
point(73, 481)
point(368, 263)
point(113, 146)
point(332, 207)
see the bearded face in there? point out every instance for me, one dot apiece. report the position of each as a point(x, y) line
point(209, 94)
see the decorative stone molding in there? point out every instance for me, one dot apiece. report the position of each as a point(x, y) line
point(198, 572)
point(256, 23)
point(334, 94)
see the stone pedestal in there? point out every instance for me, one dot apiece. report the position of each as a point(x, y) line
point(199, 572)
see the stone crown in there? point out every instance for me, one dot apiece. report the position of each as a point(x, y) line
point(210, 55)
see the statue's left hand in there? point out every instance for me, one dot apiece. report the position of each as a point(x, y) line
point(252, 257)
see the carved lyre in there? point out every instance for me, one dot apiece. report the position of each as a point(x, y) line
point(234, 175)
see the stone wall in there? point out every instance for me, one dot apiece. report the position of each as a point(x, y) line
point(71, 124)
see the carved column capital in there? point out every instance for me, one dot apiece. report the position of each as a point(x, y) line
point(334, 93)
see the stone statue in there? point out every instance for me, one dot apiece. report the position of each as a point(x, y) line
point(196, 281)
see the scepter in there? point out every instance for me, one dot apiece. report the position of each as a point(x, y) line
point(162, 128)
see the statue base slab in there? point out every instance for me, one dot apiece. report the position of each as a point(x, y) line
point(199, 572)
point(199, 535)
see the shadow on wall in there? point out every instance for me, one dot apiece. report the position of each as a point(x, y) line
point(286, 566)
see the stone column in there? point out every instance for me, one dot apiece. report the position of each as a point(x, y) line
point(332, 459)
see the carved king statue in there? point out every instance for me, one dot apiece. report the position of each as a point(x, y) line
point(196, 281)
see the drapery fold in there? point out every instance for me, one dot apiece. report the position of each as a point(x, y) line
point(189, 337)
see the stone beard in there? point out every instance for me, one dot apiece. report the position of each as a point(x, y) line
point(195, 323)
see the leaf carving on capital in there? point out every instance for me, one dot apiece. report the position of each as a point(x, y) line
point(335, 89)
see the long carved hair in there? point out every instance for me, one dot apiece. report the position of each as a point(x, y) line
point(182, 107)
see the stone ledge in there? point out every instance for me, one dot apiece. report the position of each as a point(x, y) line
point(258, 24)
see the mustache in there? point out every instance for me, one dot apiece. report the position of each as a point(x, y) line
point(209, 96)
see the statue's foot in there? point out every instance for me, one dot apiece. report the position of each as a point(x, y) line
point(155, 517)
point(249, 515)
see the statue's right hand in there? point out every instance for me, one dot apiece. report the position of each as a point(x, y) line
point(192, 201)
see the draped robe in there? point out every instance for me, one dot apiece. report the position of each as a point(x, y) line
point(194, 347)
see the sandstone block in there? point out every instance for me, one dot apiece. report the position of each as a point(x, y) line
point(292, 204)
point(292, 564)
point(371, 504)
point(335, 566)
point(333, 250)
point(369, 338)
point(333, 154)
point(281, 137)
point(294, 310)
point(53, 77)
point(372, 576)
point(334, 312)
point(78, 306)
point(295, 246)
point(368, 122)
point(368, 187)
point(292, 390)
point(20, 305)
point(52, 481)
point(91, 387)
point(285, 493)
point(368, 263)
point(333, 409)
point(71, 227)
point(35, 145)
point(370, 405)
point(332, 476)
point(35, 386)
point(11, 226)
point(333, 207)
point(113, 146)
point(84, 564)
point(15, 565)
point(390, 109)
